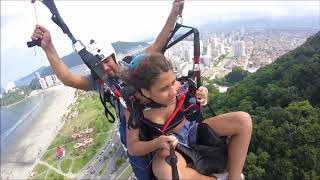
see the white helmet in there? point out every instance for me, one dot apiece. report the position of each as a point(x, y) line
point(103, 50)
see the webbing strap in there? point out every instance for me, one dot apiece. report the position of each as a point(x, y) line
point(56, 18)
point(103, 100)
point(106, 110)
point(176, 28)
point(172, 160)
point(180, 104)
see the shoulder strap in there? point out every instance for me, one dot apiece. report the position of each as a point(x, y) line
point(179, 106)
point(151, 105)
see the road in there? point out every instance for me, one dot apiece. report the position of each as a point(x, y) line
point(118, 154)
point(93, 167)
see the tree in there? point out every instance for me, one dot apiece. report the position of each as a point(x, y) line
point(35, 84)
point(283, 100)
point(236, 75)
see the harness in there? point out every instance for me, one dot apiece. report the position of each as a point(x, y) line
point(208, 156)
point(196, 155)
point(185, 108)
point(111, 94)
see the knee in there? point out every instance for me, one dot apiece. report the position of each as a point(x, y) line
point(159, 166)
point(245, 120)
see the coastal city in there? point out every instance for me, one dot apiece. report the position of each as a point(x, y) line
point(86, 153)
point(247, 48)
point(220, 52)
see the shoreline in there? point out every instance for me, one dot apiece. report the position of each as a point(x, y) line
point(8, 132)
point(36, 136)
point(36, 93)
point(7, 106)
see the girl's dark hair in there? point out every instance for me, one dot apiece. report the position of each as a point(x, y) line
point(143, 77)
point(148, 70)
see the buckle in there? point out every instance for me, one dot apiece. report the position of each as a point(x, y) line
point(78, 46)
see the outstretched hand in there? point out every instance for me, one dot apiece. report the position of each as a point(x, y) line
point(43, 34)
point(177, 7)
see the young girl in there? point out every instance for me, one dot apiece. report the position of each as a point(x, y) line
point(155, 81)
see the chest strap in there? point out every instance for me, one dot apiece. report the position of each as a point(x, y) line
point(179, 107)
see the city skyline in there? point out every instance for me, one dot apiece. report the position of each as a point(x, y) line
point(22, 14)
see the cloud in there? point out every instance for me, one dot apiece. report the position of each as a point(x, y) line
point(230, 10)
point(122, 20)
point(89, 20)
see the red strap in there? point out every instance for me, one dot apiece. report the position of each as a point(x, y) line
point(100, 82)
point(197, 107)
point(196, 59)
point(180, 104)
point(116, 92)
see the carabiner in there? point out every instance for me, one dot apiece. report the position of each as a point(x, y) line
point(179, 19)
point(78, 46)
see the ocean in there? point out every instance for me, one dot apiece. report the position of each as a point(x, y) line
point(15, 115)
point(16, 118)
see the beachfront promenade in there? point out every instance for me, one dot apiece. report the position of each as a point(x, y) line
point(36, 135)
point(68, 118)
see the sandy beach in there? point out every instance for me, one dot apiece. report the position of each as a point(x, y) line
point(19, 158)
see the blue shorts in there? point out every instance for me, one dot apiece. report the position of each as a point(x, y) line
point(141, 166)
point(187, 135)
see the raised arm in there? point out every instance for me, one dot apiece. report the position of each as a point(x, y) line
point(161, 40)
point(59, 68)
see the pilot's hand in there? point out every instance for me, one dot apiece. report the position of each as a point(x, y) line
point(177, 7)
point(43, 34)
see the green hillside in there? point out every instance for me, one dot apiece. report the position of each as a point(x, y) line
point(283, 99)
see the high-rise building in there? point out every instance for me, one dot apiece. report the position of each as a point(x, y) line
point(43, 83)
point(205, 61)
point(214, 42)
point(238, 48)
point(221, 49)
point(54, 78)
point(49, 80)
point(206, 55)
point(9, 86)
point(187, 55)
point(215, 54)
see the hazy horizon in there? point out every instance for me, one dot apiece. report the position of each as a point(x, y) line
point(141, 27)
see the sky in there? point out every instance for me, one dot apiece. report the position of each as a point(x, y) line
point(114, 21)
